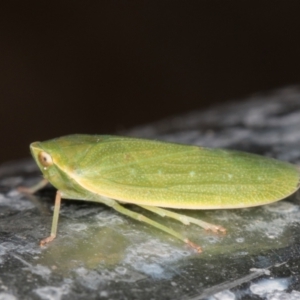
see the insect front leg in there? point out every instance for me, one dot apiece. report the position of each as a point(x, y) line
point(33, 189)
point(54, 220)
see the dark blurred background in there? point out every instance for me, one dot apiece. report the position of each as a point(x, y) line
point(103, 66)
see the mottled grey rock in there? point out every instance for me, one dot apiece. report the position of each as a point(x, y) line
point(100, 254)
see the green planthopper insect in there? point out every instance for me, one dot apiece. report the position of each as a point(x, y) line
point(155, 175)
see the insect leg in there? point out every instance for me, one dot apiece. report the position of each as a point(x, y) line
point(144, 219)
point(184, 219)
point(33, 189)
point(54, 220)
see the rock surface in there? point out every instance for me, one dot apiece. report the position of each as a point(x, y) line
point(100, 254)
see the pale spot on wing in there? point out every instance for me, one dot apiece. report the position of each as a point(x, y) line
point(192, 173)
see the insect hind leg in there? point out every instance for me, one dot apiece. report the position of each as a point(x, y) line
point(142, 218)
point(184, 219)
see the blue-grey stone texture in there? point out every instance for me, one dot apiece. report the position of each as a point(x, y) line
point(100, 254)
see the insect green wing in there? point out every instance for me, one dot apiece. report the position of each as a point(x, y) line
point(172, 175)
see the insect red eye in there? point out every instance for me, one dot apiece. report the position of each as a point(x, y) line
point(45, 159)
